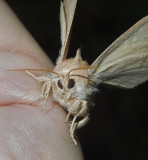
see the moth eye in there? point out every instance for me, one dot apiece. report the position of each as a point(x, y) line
point(60, 84)
point(71, 83)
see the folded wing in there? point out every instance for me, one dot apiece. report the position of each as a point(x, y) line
point(67, 11)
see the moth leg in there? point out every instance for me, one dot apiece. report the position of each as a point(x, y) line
point(72, 134)
point(82, 122)
point(40, 79)
point(45, 92)
point(78, 125)
point(42, 95)
point(67, 117)
point(81, 112)
point(73, 109)
point(45, 88)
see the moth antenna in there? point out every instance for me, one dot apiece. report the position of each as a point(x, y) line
point(85, 68)
point(82, 77)
point(33, 70)
point(79, 76)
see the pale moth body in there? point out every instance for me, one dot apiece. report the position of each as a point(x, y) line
point(124, 64)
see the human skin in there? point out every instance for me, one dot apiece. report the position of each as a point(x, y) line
point(26, 133)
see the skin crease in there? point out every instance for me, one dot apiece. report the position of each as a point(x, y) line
point(25, 131)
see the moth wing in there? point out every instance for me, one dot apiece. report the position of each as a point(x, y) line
point(125, 62)
point(67, 11)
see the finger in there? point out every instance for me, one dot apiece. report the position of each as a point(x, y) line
point(19, 50)
point(16, 39)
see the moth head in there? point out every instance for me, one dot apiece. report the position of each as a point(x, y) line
point(73, 73)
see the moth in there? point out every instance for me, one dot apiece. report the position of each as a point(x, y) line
point(123, 64)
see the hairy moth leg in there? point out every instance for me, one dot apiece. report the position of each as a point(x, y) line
point(82, 122)
point(45, 88)
point(79, 125)
point(45, 92)
point(74, 108)
point(78, 108)
point(82, 109)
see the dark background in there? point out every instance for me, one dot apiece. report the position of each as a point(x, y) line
point(118, 129)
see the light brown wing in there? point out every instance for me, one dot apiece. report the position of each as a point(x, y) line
point(67, 11)
point(125, 62)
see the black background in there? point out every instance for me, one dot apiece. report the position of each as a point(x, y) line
point(118, 128)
